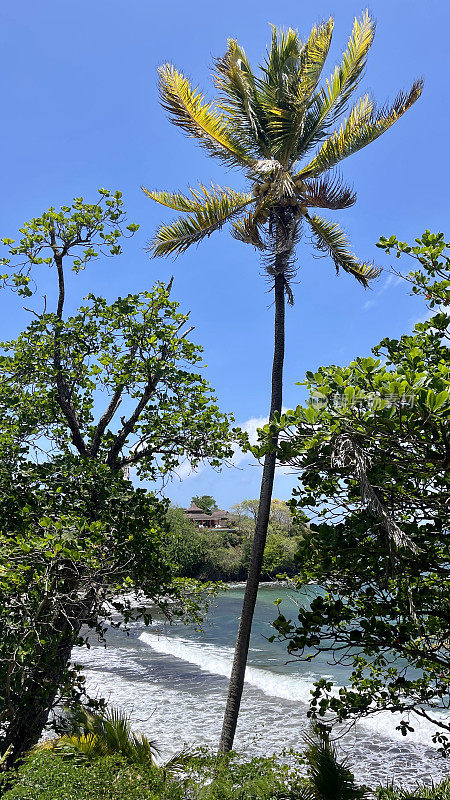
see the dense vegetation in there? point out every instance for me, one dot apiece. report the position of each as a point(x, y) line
point(373, 452)
point(74, 532)
point(200, 776)
point(99, 757)
point(215, 554)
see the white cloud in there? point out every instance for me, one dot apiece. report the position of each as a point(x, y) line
point(391, 281)
point(386, 284)
point(250, 426)
point(425, 317)
point(415, 321)
point(185, 470)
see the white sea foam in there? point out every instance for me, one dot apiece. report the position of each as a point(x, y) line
point(218, 661)
point(170, 697)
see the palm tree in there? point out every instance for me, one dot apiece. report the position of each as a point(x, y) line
point(277, 127)
point(95, 735)
point(329, 779)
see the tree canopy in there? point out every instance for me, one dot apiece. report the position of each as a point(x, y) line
point(78, 540)
point(280, 518)
point(372, 449)
point(277, 125)
point(67, 378)
point(205, 502)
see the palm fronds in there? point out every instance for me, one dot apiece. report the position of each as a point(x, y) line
point(331, 99)
point(331, 239)
point(329, 779)
point(198, 198)
point(346, 77)
point(246, 230)
point(239, 100)
point(286, 109)
point(188, 110)
point(363, 126)
point(313, 57)
point(284, 51)
point(277, 91)
point(174, 200)
point(209, 211)
point(92, 735)
point(328, 191)
point(267, 123)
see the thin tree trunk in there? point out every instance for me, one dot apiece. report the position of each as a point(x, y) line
point(262, 520)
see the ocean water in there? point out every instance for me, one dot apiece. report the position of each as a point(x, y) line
point(172, 680)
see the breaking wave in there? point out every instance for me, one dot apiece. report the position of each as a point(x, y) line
point(218, 661)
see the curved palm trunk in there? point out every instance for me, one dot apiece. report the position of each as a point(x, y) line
point(262, 520)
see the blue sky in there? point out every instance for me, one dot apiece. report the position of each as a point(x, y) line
point(80, 110)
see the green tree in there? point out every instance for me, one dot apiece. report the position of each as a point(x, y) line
point(244, 512)
point(373, 451)
point(282, 540)
point(185, 544)
point(72, 538)
point(279, 555)
point(205, 502)
point(74, 533)
point(267, 126)
point(280, 517)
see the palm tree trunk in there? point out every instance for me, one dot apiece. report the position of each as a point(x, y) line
point(262, 520)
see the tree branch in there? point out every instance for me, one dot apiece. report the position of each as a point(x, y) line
point(106, 418)
point(128, 426)
point(63, 395)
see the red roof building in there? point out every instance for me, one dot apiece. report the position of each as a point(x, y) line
point(217, 519)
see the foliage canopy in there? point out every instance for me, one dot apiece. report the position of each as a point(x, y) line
point(205, 502)
point(78, 541)
point(278, 126)
point(372, 448)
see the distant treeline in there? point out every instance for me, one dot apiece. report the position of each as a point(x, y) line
point(215, 554)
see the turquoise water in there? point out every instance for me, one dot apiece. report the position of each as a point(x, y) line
point(173, 681)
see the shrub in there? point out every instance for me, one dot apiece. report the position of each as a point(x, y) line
point(229, 778)
point(94, 735)
point(440, 791)
point(185, 544)
point(223, 559)
point(43, 776)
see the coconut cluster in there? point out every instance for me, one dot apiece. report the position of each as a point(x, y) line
point(269, 188)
